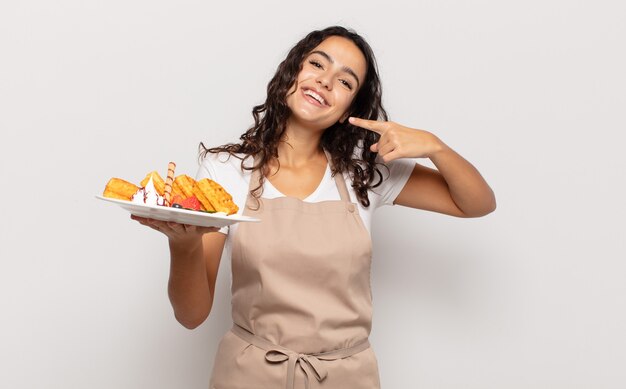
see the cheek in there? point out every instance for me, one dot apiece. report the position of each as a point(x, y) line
point(305, 74)
point(302, 76)
point(344, 101)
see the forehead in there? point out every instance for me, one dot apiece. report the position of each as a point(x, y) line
point(344, 53)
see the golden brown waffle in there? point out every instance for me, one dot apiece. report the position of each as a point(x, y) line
point(117, 188)
point(183, 186)
point(213, 197)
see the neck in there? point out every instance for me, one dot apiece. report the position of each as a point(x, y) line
point(300, 145)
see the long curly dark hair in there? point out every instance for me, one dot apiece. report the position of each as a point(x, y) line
point(341, 140)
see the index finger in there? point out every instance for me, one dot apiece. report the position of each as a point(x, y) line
point(372, 125)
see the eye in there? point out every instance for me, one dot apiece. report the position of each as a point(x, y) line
point(346, 84)
point(316, 64)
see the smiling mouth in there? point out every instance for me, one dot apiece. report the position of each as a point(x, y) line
point(314, 98)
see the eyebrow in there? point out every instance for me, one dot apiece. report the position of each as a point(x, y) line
point(345, 68)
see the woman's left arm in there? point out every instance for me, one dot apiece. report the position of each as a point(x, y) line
point(456, 188)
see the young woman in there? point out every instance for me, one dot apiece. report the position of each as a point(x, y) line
point(320, 158)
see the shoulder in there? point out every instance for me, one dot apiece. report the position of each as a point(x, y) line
point(217, 165)
point(393, 176)
point(395, 170)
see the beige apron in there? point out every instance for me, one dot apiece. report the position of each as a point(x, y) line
point(301, 298)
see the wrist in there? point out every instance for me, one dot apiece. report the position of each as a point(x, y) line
point(185, 246)
point(438, 147)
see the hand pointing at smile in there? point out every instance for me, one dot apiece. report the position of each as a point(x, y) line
point(397, 141)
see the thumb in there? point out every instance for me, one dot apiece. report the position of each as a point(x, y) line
point(374, 147)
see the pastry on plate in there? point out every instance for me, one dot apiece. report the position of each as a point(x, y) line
point(213, 197)
point(120, 189)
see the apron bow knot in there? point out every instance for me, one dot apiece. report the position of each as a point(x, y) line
point(310, 365)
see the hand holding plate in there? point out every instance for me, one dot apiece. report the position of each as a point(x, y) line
point(176, 232)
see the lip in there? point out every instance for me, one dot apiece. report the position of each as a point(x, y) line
point(312, 100)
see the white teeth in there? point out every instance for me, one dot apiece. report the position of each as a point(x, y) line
point(314, 95)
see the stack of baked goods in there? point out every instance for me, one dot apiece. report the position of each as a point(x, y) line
point(181, 191)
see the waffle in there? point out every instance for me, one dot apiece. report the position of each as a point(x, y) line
point(117, 188)
point(213, 197)
point(183, 186)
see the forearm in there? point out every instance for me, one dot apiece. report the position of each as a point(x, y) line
point(468, 188)
point(188, 286)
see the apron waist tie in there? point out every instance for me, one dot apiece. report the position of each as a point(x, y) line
point(309, 363)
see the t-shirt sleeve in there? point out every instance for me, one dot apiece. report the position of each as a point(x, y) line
point(395, 173)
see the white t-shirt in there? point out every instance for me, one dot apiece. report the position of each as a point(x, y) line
point(227, 172)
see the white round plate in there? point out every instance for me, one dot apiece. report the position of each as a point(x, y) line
point(179, 215)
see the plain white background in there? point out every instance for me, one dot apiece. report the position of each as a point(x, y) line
point(532, 93)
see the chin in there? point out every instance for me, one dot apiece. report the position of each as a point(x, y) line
point(312, 121)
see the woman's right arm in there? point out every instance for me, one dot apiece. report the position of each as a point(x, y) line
point(195, 254)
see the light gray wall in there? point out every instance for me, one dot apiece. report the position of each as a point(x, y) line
point(532, 93)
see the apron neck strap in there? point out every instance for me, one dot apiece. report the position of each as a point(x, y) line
point(339, 181)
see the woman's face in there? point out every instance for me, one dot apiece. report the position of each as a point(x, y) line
point(331, 76)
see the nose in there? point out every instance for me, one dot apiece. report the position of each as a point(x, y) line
point(324, 80)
